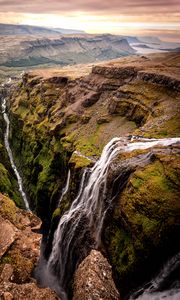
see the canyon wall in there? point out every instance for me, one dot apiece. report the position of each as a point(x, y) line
point(59, 123)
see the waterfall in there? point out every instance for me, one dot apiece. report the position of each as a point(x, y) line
point(7, 145)
point(161, 286)
point(79, 229)
point(65, 189)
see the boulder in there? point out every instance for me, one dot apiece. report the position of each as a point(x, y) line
point(7, 235)
point(93, 279)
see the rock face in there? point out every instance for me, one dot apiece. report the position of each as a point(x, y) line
point(93, 279)
point(20, 248)
point(7, 235)
point(144, 226)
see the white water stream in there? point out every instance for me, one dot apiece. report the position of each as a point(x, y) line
point(7, 145)
point(153, 289)
point(65, 189)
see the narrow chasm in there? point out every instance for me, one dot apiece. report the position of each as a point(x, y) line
point(98, 185)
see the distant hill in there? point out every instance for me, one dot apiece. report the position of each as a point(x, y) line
point(68, 31)
point(149, 39)
point(24, 51)
point(11, 29)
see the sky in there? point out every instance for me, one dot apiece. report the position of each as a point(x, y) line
point(133, 17)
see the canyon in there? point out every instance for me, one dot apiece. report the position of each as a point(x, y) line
point(59, 126)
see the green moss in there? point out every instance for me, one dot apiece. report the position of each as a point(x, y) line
point(8, 209)
point(8, 185)
point(6, 259)
point(56, 213)
point(120, 250)
point(79, 161)
point(22, 266)
point(5, 184)
point(146, 217)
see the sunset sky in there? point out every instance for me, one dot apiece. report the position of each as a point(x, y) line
point(148, 17)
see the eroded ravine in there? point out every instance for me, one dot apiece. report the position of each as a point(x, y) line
point(9, 151)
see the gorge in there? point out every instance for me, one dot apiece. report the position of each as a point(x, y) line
point(83, 223)
point(124, 204)
point(6, 142)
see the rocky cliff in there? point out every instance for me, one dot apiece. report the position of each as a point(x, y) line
point(20, 248)
point(59, 123)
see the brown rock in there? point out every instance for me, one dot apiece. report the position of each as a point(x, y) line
point(7, 235)
point(28, 291)
point(20, 247)
point(6, 273)
point(7, 296)
point(90, 99)
point(93, 279)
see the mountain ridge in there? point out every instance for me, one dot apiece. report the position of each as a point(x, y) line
point(23, 29)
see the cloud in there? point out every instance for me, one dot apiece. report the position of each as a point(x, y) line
point(129, 7)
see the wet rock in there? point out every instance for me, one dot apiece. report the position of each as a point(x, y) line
point(93, 279)
point(146, 221)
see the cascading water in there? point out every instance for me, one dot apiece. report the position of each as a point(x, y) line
point(79, 229)
point(6, 142)
point(65, 189)
point(161, 286)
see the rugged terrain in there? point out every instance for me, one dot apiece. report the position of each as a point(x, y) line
point(60, 122)
point(24, 47)
point(19, 251)
point(20, 248)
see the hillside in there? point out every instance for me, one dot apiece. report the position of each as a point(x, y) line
point(19, 51)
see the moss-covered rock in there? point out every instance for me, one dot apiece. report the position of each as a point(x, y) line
point(146, 220)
